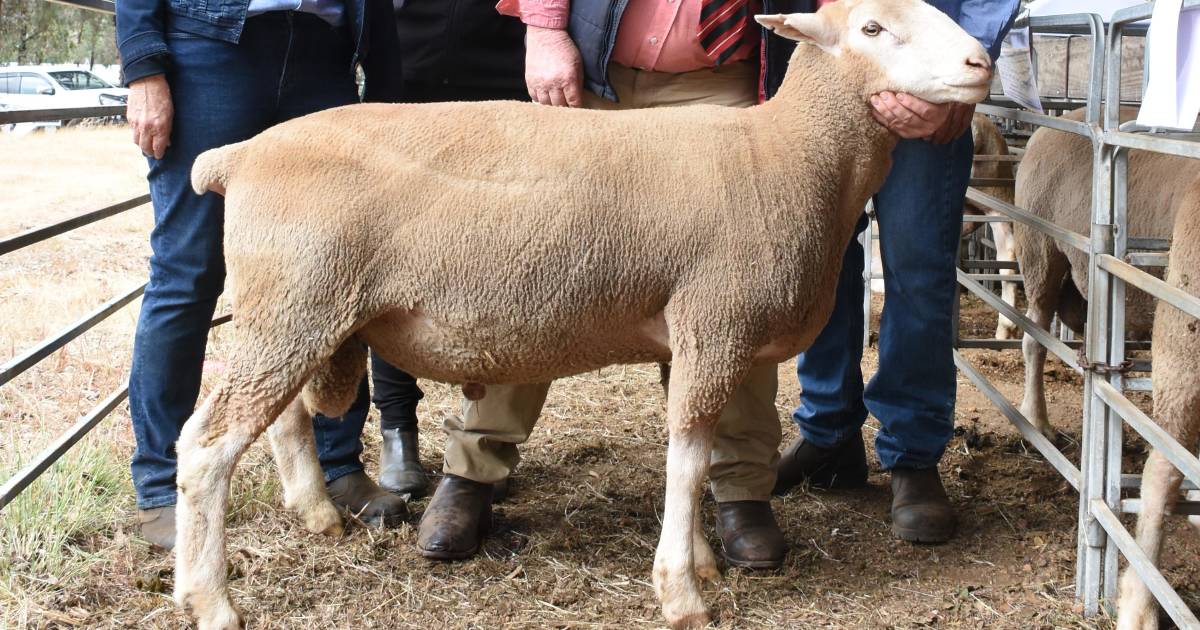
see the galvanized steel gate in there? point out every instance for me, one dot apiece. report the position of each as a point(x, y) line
point(1111, 250)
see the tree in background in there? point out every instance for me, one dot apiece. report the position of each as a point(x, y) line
point(38, 31)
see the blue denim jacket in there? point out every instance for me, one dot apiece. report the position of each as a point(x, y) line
point(142, 26)
point(593, 27)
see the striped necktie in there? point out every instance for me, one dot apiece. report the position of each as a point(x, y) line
point(722, 25)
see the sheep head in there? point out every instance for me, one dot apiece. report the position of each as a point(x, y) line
point(912, 47)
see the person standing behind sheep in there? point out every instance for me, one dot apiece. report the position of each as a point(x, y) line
point(664, 53)
point(202, 75)
point(912, 395)
point(452, 51)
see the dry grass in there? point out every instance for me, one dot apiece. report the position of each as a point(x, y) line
point(571, 549)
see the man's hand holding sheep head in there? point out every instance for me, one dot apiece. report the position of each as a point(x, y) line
point(911, 118)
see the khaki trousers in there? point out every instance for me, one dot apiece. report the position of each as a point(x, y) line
point(482, 445)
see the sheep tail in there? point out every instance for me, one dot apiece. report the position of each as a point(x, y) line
point(212, 168)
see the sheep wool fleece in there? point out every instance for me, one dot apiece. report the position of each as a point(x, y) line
point(482, 446)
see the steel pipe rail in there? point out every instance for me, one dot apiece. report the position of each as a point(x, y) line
point(1049, 341)
point(103, 6)
point(985, 218)
point(1186, 462)
point(1146, 259)
point(1180, 508)
point(995, 182)
point(28, 474)
point(14, 486)
point(996, 277)
point(1181, 300)
point(1151, 577)
point(31, 357)
point(1135, 481)
point(36, 235)
point(1148, 142)
point(1035, 437)
point(9, 116)
point(1074, 239)
point(1042, 120)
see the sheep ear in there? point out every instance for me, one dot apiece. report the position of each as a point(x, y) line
point(802, 27)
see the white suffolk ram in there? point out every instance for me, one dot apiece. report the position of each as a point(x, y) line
point(459, 250)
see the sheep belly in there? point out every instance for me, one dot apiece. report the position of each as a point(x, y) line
point(500, 352)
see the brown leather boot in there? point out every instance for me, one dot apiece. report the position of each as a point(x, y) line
point(921, 511)
point(361, 496)
point(457, 519)
point(844, 466)
point(158, 527)
point(400, 470)
point(750, 537)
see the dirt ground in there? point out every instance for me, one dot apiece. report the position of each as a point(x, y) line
point(572, 547)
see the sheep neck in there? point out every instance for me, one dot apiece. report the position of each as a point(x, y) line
point(835, 90)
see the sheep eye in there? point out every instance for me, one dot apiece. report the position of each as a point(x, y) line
point(872, 29)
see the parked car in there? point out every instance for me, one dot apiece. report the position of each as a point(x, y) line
point(42, 87)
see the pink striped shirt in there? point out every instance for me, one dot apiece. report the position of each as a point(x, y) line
point(657, 35)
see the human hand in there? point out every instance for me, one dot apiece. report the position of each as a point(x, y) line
point(151, 112)
point(908, 116)
point(553, 67)
point(957, 123)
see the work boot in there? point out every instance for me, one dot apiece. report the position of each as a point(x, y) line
point(750, 537)
point(158, 527)
point(362, 497)
point(501, 489)
point(921, 511)
point(400, 469)
point(457, 519)
point(843, 466)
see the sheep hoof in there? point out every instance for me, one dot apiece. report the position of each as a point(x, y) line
point(212, 611)
point(323, 518)
point(694, 621)
point(708, 573)
point(474, 391)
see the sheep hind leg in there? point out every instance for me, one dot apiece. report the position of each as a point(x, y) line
point(1033, 404)
point(295, 453)
point(1002, 233)
point(209, 448)
point(1136, 606)
point(331, 391)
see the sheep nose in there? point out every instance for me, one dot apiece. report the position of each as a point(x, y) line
point(980, 62)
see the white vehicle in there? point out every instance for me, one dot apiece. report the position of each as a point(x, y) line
point(48, 87)
point(40, 87)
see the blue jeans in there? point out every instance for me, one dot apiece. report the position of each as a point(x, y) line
point(912, 395)
point(286, 65)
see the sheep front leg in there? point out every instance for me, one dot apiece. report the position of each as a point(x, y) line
point(683, 554)
point(1033, 406)
point(1136, 607)
point(675, 571)
point(295, 453)
point(209, 448)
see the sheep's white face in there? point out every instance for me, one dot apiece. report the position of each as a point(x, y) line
point(919, 49)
